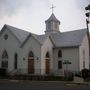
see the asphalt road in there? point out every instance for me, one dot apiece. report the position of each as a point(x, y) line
point(14, 85)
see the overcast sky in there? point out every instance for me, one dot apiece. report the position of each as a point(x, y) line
point(30, 15)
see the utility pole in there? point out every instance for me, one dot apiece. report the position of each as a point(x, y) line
point(87, 24)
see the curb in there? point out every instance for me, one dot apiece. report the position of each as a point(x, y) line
point(61, 82)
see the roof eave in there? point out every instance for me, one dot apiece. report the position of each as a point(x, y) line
point(27, 39)
point(66, 46)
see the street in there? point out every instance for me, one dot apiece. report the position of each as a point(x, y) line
point(36, 85)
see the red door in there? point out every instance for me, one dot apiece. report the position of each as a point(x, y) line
point(47, 66)
point(31, 66)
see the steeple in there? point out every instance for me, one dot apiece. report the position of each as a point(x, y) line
point(52, 24)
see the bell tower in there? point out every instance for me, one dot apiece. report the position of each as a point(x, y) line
point(52, 24)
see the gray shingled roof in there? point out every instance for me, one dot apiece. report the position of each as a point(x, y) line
point(68, 39)
point(65, 39)
point(52, 18)
point(20, 34)
point(41, 38)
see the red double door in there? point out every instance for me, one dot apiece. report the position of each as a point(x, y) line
point(47, 71)
point(31, 66)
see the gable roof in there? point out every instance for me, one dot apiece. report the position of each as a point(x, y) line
point(36, 37)
point(22, 35)
point(65, 39)
point(40, 38)
point(19, 33)
point(68, 39)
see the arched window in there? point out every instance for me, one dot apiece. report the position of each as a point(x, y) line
point(47, 55)
point(59, 62)
point(49, 25)
point(59, 53)
point(47, 63)
point(55, 24)
point(4, 59)
point(31, 64)
point(31, 55)
point(15, 60)
point(5, 55)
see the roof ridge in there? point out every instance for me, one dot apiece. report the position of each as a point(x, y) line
point(70, 38)
point(75, 30)
point(16, 28)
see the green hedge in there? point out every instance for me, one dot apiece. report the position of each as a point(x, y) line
point(41, 78)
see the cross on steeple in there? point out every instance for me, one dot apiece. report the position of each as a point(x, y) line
point(52, 8)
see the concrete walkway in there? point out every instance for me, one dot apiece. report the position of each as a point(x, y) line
point(62, 82)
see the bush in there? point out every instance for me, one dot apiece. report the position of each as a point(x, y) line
point(78, 74)
point(54, 78)
point(85, 73)
point(87, 79)
point(2, 72)
point(38, 77)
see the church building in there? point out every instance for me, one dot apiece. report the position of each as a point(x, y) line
point(52, 53)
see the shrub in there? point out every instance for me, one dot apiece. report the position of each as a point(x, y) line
point(87, 79)
point(85, 73)
point(2, 72)
point(54, 78)
point(78, 74)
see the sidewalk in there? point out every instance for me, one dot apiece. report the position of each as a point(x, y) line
point(61, 82)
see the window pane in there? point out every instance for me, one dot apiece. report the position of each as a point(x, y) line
point(47, 55)
point(15, 63)
point(59, 64)
point(4, 55)
point(56, 25)
point(31, 54)
point(4, 64)
point(59, 53)
point(49, 25)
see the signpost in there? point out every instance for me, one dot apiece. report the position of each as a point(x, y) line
point(66, 62)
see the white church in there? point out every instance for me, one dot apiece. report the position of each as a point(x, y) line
point(23, 52)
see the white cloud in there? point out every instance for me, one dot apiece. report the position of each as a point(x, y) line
point(31, 14)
